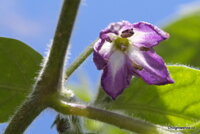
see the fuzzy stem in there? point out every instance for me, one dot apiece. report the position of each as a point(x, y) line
point(50, 80)
point(53, 73)
point(116, 119)
point(24, 116)
point(79, 60)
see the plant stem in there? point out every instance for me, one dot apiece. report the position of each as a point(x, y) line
point(116, 119)
point(79, 60)
point(53, 72)
point(24, 116)
point(50, 80)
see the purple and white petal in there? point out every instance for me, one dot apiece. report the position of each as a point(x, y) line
point(102, 52)
point(114, 29)
point(154, 70)
point(147, 35)
point(116, 75)
point(99, 61)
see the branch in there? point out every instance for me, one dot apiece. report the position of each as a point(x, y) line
point(50, 80)
point(24, 116)
point(116, 119)
point(79, 60)
point(53, 72)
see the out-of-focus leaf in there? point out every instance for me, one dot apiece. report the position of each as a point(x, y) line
point(18, 66)
point(92, 125)
point(175, 104)
point(82, 89)
point(183, 46)
point(103, 128)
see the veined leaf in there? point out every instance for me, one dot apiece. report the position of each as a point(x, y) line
point(175, 104)
point(18, 67)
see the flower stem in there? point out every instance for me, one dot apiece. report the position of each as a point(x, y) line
point(116, 119)
point(50, 80)
point(79, 60)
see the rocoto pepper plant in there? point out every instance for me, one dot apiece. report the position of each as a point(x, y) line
point(138, 90)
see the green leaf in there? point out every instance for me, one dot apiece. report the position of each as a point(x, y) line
point(19, 65)
point(175, 104)
point(183, 46)
point(103, 128)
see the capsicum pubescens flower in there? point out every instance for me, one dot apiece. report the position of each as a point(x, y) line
point(125, 50)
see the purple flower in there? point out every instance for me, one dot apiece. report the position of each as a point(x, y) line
point(126, 49)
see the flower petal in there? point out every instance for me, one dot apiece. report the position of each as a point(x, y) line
point(99, 61)
point(102, 52)
point(147, 35)
point(116, 75)
point(153, 69)
point(114, 29)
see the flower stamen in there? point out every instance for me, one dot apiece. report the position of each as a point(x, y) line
point(127, 33)
point(137, 66)
point(144, 49)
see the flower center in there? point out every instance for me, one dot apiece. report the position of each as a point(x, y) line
point(121, 43)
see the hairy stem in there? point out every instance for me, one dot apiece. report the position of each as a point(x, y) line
point(116, 119)
point(79, 60)
point(24, 116)
point(50, 80)
point(53, 72)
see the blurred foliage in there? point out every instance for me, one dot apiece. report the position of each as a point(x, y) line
point(82, 88)
point(19, 64)
point(103, 128)
point(183, 46)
